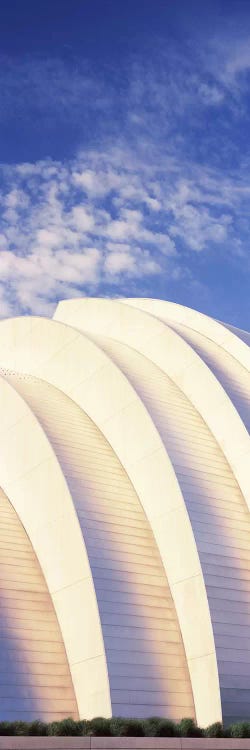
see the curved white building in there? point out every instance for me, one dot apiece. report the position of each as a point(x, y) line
point(125, 497)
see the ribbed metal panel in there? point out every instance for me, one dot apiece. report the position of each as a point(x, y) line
point(218, 513)
point(233, 377)
point(145, 655)
point(152, 460)
point(35, 680)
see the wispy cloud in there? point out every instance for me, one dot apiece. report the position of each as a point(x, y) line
point(169, 189)
point(96, 223)
point(229, 59)
point(48, 87)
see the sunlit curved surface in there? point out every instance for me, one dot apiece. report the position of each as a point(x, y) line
point(32, 479)
point(125, 420)
point(168, 350)
point(140, 408)
point(35, 675)
point(231, 339)
point(221, 351)
point(124, 561)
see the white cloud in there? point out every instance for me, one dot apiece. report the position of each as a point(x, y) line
point(48, 238)
point(197, 226)
point(227, 57)
point(56, 240)
point(119, 262)
point(113, 218)
point(61, 236)
point(81, 219)
point(236, 58)
point(211, 95)
point(132, 262)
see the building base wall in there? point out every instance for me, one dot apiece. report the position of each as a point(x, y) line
point(121, 743)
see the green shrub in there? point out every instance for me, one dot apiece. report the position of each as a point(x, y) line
point(38, 728)
point(150, 726)
point(19, 728)
point(6, 728)
point(241, 729)
point(66, 727)
point(188, 728)
point(122, 727)
point(154, 726)
point(116, 726)
point(132, 728)
point(215, 730)
point(99, 727)
point(82, 727)
point(166, 728)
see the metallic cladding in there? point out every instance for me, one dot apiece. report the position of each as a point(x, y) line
point(125, 472)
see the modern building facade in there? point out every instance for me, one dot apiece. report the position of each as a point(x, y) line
point(125, 524)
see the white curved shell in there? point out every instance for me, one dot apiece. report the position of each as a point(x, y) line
point(128, 421)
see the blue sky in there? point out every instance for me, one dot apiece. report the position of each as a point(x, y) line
point(125, 153)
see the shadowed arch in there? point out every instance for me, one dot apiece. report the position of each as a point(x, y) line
point(31, 477)
point(66, 358)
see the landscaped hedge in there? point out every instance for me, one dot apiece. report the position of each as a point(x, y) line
point(118, 727)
